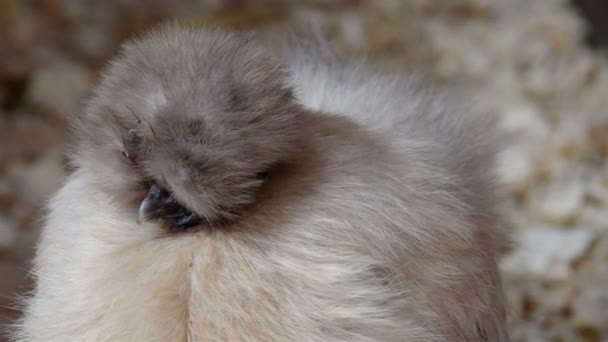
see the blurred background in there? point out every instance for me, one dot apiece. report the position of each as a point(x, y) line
point(538, 65)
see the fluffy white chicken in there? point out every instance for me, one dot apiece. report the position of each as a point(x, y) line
point(234, 188)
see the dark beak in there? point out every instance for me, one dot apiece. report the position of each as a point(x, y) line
point(159, 204)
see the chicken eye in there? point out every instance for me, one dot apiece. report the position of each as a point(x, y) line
point(129, 157)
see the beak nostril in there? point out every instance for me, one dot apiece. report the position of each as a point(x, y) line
point(160, 204)
point(262, 175)
point(159, 192)
point(157, 203)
